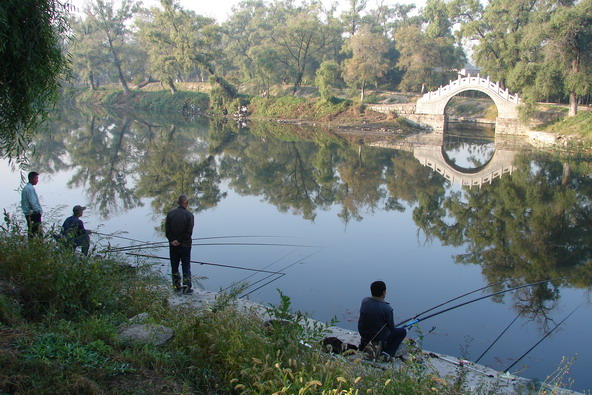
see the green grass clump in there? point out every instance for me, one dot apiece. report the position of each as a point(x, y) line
point(289, 107)
point(581, 124)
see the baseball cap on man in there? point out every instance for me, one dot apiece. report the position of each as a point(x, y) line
point(78, 209)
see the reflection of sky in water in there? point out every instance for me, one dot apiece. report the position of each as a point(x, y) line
point(469, 155)
point(384, 245)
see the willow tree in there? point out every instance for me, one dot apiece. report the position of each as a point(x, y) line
point(31, 34)
point(113, 25)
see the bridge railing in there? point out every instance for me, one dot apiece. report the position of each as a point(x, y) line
point(472, 82)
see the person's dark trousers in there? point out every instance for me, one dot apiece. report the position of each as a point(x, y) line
point(183, 255)
point(84, 243)
point(34, 224)
point(393, 340)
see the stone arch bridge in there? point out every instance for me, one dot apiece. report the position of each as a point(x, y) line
point(435, 102)
point(429, 110)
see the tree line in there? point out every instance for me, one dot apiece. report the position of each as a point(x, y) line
point(539, 48)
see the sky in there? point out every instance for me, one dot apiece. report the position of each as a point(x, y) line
point(220, 9)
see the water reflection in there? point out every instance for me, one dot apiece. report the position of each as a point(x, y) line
point(531, 226)
point(468, 148)
point(505, 214)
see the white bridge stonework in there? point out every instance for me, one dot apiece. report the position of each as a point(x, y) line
point(435, 102)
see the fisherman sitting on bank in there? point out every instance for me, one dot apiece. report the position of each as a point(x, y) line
point(73, 231)
point(376, 325)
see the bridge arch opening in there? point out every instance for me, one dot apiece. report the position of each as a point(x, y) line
point(467, 154)
point(471, 106)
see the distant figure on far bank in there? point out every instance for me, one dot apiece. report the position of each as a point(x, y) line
point(31, 206)
point(179, 229)
point(376, 323)
point(73, 230)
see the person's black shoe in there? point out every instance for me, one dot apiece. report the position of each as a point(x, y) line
point(189, 291)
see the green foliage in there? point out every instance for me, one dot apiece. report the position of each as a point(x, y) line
point(56, 349)
point(51, 280)
point(154, 101)
point(289, 107)
point(327, 78)
point(31, 34)
point(580, 127)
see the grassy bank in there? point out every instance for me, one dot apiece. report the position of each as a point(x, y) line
point(290, 107)
point(156, 101)
point(59, 319)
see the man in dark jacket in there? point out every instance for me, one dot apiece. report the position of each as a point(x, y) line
point(376, 322)
point(73, 231)
point(179, 228)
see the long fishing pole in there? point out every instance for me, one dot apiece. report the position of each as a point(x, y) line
point(131, 248)
point(544, 337)
point(281, 270)
point(450, 300)
point(499, 337)
point(145, 244)
point(254, 274)
point(118, 237)
point(210, 264)
point(415, 321)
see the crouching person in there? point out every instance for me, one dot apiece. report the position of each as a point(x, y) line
point(73, 232)
point(376, 325)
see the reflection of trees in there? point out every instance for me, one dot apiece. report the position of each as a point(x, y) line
point(532, 226)
point(362, 174)
point(103, 159)
point(173, 164)
point(282, 172)
point(49, 148)
point(410, 181)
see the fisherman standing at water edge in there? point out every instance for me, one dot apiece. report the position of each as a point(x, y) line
point(31, 207)
point(179, 228)
point(376, 322)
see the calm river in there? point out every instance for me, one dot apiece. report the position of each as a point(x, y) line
point(335, 213)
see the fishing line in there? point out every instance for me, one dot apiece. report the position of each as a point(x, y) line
point(209, 264)
point(281, 270)
point(476, 300)
point(450, 300)
point(131, 248)
point(145, 244)
point(544, 337)
point(501, 334)
point(253, 274)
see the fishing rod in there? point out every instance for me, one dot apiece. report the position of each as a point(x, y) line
point(281, 270)
point(415, 321)
point(162, 244)
point(118, 237)
point(145, 244)
point(254, 274)
point(501, 334)
point(544, 337)
point(210, 264)
point(450, 300)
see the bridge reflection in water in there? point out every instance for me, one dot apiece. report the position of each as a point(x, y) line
point(429, 150)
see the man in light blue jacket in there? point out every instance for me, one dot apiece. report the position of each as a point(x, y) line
point(31, 207)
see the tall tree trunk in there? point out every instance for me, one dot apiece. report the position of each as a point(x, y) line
point(362, 92)
point(91, 81)
point(117, 64)
point(573, 99)
point(171, 85)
